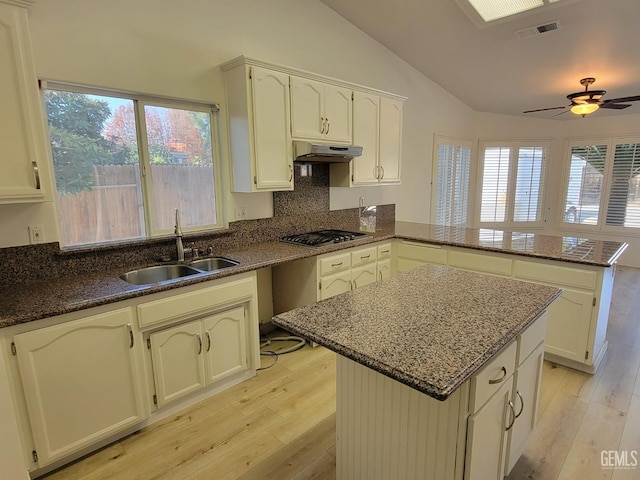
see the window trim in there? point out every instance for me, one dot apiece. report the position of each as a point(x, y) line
point(514, 145)
point(139, 102)
point(601, 226)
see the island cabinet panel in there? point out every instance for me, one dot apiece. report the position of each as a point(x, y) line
point(576, 334)
point(388, 430)
point(82, 382)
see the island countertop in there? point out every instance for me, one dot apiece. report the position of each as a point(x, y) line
point(431, 328)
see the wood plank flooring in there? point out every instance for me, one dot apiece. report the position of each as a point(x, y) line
point(281, 424)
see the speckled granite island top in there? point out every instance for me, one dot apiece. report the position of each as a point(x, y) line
point(573, 249)
point(431, 328)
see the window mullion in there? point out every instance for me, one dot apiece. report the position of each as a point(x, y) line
point(145, 168)
point(606, 186)
point(511, 184)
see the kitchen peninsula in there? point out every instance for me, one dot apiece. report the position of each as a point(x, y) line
point(432, 366)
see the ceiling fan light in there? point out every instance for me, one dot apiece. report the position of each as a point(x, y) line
point(584, 108)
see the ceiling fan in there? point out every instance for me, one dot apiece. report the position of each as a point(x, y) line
point(588, 101)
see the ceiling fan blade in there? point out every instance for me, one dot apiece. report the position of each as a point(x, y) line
point(615, 106)
point(544, 109)
point(561, 113)
point(622, 100)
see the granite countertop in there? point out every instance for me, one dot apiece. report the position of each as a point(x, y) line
point(582, 250)
point(431, 328)
point(36, 300)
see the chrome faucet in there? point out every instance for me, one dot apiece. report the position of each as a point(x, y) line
point(178, 232)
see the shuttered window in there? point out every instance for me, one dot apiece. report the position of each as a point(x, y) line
point(451, 177)
point(602, 190)
point(512, 183)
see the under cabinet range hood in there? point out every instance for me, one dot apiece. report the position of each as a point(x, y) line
point(324, 153)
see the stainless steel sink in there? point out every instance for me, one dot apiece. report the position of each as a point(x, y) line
point(214, 263)
point(160, 273)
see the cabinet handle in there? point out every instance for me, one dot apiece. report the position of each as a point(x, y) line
point(336, 264)
point(199, 343)
point(328, 126)
point(499, 380)
point(376, 173)
point(322, 128)
point(382, 170)
point(380, 274)
point(365, 257)
point(208, 342)
point(290, 172)
point(384, 252)
point(130, 329)
point(354, 286)
point(513, 415)
point(36, 172)
point(521, 403)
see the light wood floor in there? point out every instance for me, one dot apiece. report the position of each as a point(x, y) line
point(281, 424)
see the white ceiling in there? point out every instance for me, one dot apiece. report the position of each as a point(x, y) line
point(491, 70)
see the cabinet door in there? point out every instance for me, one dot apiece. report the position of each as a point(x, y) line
point(307, 117)
point(568, 325)
point(335, 284)
point(390, 143)
point(525, 399)
point(81, 382)
point(384, 269)
point(338, 111)
point(486, 438)
point(225, 344)
point(365, 134)
point(364, 275)
point(273, 148)
point(177, 355)
point(21, 128)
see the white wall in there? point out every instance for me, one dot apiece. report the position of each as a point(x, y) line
point(172, 48)
point(491, 126)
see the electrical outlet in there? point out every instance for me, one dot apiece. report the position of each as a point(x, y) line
point(36, 234)
point(240, 213)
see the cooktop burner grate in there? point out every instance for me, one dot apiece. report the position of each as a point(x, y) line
point(322, 237)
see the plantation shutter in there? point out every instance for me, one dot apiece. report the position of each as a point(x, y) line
point(623, 206)
point(529, 191)
point(584, 188)
point(495, 182)
point(452, 182)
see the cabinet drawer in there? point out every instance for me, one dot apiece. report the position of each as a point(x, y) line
point(364, 255)
point(555, 274)
point(423, 252)
point(335, 263)
point(481, 263)
point(492, 376)
point(181, 306)
point(384, 251)
point(531, 338)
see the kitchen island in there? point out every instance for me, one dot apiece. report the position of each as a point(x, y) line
point(428, 361)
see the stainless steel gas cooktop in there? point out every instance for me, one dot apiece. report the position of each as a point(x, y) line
point(322, 237)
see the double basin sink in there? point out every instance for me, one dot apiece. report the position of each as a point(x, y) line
point(165, 273)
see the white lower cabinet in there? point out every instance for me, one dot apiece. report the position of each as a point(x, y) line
point(86, 379)
point(190, 356)
point(308, 280)
point(578, 319)
point(487, 439)
point(81, 382)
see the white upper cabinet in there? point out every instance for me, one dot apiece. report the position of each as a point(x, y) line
point(22, 132)
point(390, 145)
point(259, 128)
point(365, 134)
point(377, 128)
point(320, 111)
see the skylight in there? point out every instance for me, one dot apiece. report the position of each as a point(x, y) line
point(489, 12)
point(494, 9)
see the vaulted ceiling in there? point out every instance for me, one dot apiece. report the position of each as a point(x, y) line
point(492, 70)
